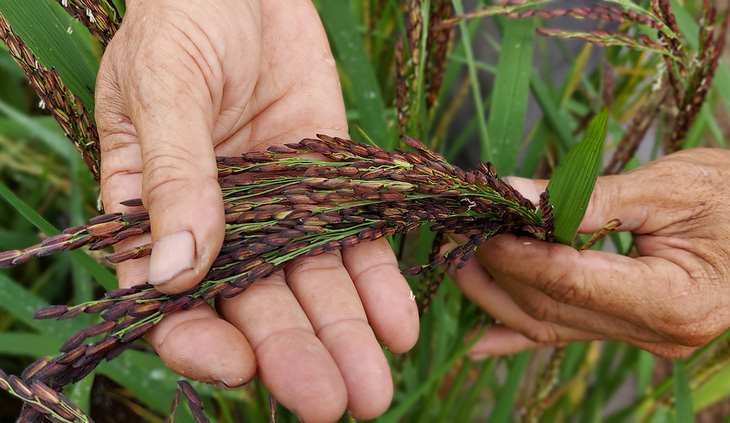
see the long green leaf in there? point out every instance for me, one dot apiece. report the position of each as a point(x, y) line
point(509, 98)
point(571, 186)
point(682, 394)
point(28, 344)
point(505, 402)
point(52, 138)
point(22, 303)
point(36, 23)
point(339, 19)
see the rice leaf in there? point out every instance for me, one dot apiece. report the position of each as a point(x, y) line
point(21, 303)
point(52, 138)
point(339, 19)
point(682, 394)
point(35, 22)
point(506, 400)
point(27, 344)
point(572, 184)
point(475, 87)
point(559, 119)
point(509, 98)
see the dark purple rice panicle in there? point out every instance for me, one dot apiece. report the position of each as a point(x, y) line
point(280, 206)
point(195, 403)
point(407, 64)
point(712, 42)
point(40, 402)
point(66, 108)
point(99, 16)
point(635, 132)
point(438, 45)
point(402, 87)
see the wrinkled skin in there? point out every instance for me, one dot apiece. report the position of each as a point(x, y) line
point(182, 82)
point(668, 298)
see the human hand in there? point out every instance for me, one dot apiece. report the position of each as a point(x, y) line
point(182, 82)
point(669, 298)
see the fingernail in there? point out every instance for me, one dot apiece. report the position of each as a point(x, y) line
point(229, 385)
point(171, 256)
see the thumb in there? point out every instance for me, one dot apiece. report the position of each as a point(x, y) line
point(614, 197)
point(174, 119)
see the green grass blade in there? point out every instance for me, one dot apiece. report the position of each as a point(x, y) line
point(505, 403)
point(571, 186)
point(99, 272)
point(558, 118)
point(475, 87)
point(682, 394)
point(52, 138)
point(509, 97)
point(396, 413)
point(39, 27)
point(21, 303)
point(339, 19)
point(27, 344)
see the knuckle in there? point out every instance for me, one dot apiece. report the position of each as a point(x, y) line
point(671, 350)
point(690, 325)
point(327, 261)
point(166, 173)
point(540, 309)
point(566, 289)
point(694, 334)
point(542, 333)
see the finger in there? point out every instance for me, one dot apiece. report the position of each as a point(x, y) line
point(385, 294)
point(328, 297)
point(650, 292)
point(481, 288)
point(501, 340)
point(189, 343)
point(292, 362)
point(494, 292)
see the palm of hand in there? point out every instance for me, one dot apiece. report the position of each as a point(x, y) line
point(181, 83)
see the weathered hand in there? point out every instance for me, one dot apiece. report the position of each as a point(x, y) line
point(184, 81)
point(668, 298)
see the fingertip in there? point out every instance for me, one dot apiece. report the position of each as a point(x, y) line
point(499, 340)
point(363, 366)
point(188, 227)
point(299, 371)
point(199, 345)
point(385, 294)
